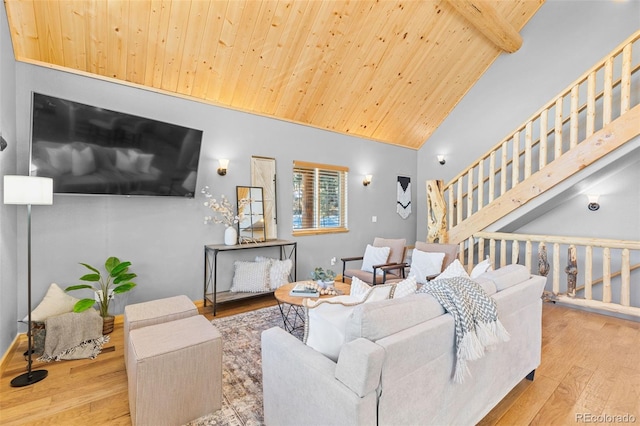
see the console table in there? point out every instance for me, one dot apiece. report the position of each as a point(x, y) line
point(287, 249)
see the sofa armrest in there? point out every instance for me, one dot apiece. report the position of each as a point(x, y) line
point(300, 386)
point(360, 366)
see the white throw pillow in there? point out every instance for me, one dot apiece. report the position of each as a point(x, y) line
point(126, 161)
point(405, 288)
point(60, 158)
point(481, 268)
point(424, 264)
point(455, 269)
point(358, 287)
point(83, 162)
point(374, 256)
point(250, 277)
point(143, 163)
point(326, 319)
point(279, 271)
point(55, 302)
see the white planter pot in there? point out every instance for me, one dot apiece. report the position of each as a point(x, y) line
point(230, 236)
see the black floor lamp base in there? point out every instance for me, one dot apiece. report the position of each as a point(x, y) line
point(27, 379)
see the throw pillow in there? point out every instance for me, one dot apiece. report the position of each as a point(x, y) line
point(60, 158)
point(374, 256)
point(126, 161)
point(82, 161)
point(358, 287)
point(250, 277)
point(481, 268)
point(144, 162)
point(326, 319)
point(424, 264)
point(55, 302)
point(405, 288)
point(455, 269)
point(279, 271)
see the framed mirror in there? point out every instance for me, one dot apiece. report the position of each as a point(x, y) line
point(252, 226)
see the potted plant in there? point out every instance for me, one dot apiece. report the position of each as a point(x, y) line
point(324, 278)
point(117, 280)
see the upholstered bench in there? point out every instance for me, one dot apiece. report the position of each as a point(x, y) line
point(174, 372)
point(155, 312)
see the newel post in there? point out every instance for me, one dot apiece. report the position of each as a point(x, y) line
point(436, 213)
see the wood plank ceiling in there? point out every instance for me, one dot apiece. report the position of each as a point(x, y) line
point(388, 70)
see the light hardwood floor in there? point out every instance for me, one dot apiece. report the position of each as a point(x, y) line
point(590, 367)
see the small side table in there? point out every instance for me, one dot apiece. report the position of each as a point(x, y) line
point(291, 307)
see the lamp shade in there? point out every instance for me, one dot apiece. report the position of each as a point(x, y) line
point(28, 190)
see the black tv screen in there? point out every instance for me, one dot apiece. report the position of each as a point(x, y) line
point(91, 150)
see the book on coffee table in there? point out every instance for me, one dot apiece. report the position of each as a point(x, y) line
point(304, 290)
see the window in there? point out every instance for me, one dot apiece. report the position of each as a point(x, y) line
point(319, 198)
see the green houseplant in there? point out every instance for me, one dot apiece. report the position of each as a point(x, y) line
point(116, 280)
point(323, 277)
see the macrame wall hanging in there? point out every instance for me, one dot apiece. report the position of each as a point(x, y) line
point(403, 206)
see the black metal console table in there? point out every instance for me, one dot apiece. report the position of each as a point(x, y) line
point(288, 250)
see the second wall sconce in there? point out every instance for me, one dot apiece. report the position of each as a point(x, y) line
point(441, 159)
point(593, 202)
point(223, 164)
point(367, 180)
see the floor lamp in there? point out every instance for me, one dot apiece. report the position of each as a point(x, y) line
point(28, 190)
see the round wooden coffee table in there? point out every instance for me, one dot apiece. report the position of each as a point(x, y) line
point(291, 307)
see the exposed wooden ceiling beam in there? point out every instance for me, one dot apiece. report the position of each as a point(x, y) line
point(486, 20)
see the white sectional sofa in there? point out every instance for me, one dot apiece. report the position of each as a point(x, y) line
point(397, 365)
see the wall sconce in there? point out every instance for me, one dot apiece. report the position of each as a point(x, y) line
point(441, 159)
point(223, 165)
point(593, 202)
point(367, 180)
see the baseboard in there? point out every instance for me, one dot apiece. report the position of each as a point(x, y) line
point(12, 347)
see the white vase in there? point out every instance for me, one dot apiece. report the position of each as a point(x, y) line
point(230, 236)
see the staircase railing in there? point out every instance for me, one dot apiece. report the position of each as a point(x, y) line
point(591, 272)
point(584, 111)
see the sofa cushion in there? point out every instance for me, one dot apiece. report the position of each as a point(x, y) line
point(326, 319)
point(507, 276)
point(374, 321)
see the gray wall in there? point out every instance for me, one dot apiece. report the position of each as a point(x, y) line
point(164, 237)
point(560, 43)
point(8, 224)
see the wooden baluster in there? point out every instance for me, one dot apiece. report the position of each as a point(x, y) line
point(544, 117)
point(572, 271)
point(470, 250)
point(492, 176)
point(573, 132)
point(557, 141)
point(515, 251)
point(461, 252)
point(459, 206)
point(543, 263)
point(556, 268)
point(527, 150)
point(591, 104)
point(607, 100)
point(606, 275)
point(492, 252)
point(625, 87)
point(527, 256)
point(480, 249)
point(503, 253)
point(503, 168)
point(588, 272)
point(470, 193)
point(481, 184)
point(625, 272)
point(515, 163)
point(452, 207)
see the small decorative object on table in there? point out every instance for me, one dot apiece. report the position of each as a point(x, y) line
point(305, 289)
point(324, 279)
point(225, 216)
point(116, 281)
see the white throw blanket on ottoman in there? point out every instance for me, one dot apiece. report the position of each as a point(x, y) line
point(475, 316)
point(73, 336)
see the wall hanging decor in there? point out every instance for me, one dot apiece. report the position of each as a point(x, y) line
point(403, 205)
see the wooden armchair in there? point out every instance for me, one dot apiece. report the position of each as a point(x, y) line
point(395, 258)
point(450, 254)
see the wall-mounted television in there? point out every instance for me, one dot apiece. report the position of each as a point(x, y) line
point(91, 150)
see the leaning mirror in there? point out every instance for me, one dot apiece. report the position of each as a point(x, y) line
point(251, 226)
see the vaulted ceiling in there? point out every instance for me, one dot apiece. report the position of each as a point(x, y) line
point(386, 70)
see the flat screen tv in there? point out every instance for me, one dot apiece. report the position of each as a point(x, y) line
point(91, 150)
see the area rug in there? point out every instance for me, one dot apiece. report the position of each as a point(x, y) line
point(241, 368)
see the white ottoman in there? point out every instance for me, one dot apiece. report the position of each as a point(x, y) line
point(155, 312)
point(174, 372)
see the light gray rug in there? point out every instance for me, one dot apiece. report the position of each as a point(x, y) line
point(241, 368)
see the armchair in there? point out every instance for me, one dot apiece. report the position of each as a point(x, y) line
point(450, 252)
point(373, 277)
